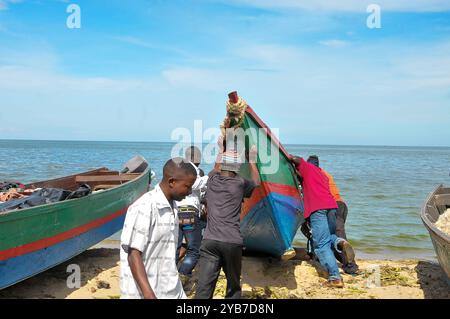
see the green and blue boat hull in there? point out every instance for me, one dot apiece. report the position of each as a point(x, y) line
point(35, 239)
point(271, 217)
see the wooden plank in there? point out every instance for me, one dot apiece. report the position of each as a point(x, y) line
point(67, 182)
point(432, 213)
point(105, 178)
point(442, 199)
point(106, 172)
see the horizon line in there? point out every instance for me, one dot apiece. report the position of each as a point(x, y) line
point(174, 142)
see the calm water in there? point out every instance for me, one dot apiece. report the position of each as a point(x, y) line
point(384, 187)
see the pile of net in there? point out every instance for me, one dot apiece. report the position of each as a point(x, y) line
point(443, 223)
point(235, 115)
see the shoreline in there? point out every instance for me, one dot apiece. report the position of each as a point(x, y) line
point(262, 278)
point(382, 255)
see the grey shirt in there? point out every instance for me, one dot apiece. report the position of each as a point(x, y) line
point(224, 198)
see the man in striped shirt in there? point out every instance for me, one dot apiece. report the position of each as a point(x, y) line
point(149, 238)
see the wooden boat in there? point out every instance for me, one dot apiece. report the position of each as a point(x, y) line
point(435, 205)
point(271, 217)
point(35, 239)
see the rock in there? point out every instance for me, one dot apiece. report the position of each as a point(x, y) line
point(93, 290)
point(101, 284)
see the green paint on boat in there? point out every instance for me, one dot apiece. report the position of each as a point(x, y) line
point(25, 226)
point(268, 154)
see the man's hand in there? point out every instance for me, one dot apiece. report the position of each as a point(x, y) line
point(150, 296)
point(294, 159)
point(220, 143)
point(139, 274)
point(253, 155)
point(227, 123)
point(253, 168)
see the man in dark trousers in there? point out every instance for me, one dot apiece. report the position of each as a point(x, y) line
point(222, 241)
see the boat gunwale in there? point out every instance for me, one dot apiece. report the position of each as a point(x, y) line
point(268, 131)
point(20, 212)
point(252, 114)
point(428, 223)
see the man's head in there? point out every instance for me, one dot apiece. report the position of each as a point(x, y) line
point(231, 162)
point(179, 176)
point(194, 155)
point(314, 159)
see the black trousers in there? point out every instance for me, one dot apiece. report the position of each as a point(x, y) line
point(215, 255)
point(341, 217)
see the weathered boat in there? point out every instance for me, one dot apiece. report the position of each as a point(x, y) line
point(35, 239)
point(271, 217)
point(435, 205)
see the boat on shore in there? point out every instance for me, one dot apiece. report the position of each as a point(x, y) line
point(35, 239)
point(435, 205)
point(271, 217)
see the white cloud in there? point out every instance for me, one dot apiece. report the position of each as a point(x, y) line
point(26, 78)
point(146, 44)
point(334, 43)
point(4, 3)
point(196, 78)
point(268, 54)
point(351, 5)
point(359, 89)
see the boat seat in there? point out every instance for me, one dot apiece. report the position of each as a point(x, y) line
point(442, 199)
point(103, 186)
point(105, 178)
point(442, 202)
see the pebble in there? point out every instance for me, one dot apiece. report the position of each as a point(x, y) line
point(101, 284)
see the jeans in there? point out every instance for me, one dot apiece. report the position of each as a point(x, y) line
point(193, 235)
point(323, 228)
point(213, 256)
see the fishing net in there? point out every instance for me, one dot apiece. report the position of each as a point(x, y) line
point(443, 223)
point(235, 115)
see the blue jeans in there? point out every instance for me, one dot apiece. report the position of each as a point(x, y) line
point(193, 235)
point(324, 239)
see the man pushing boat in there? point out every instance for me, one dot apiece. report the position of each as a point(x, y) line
point(349, 266)
point(320, 209)
point(222, 242)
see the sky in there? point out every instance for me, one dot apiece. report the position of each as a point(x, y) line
point(137, 70)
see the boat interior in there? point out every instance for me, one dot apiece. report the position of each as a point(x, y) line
point(438, 204)
point(99, 179)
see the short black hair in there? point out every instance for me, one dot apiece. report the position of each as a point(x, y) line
point(176, 167)
point(313, 159)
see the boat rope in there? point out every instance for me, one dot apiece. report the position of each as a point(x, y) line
point(235, 115)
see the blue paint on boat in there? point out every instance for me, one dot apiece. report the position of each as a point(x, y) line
point(22, 267)
point(272, 223)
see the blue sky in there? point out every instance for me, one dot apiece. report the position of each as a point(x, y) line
point(138, 69)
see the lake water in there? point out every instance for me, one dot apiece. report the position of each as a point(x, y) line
point(384, 187)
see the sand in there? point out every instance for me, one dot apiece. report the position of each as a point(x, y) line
point(261, 278)
point(443, 223)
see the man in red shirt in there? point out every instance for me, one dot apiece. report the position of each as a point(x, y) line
point(349, 266)
point(320, 208)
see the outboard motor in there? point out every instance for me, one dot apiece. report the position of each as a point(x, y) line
point(137, 164)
